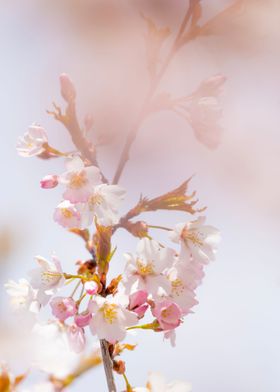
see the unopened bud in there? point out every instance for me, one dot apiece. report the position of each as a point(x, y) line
point(49, 182)
point(67, 88)
point(91, 287)
point(119, 366)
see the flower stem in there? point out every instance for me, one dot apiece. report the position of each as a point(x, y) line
point(108, 365)
point(159, 227)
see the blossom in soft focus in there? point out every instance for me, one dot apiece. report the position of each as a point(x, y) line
point(67, 88)
point(23, 296)
point(76, 338)
point(111, 317)
point(144, 271)
point(103, 204)
point(48, 182)
point(47, 277)
point(33, 142)
point(63, 307)
point(198, 239)
point(52, 353)
point(205, 111)
point(67, 215)
point(156, 383)
point(168, 314)
point(79, 180)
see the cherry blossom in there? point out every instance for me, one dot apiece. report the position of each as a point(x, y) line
point(144, 271)
point(156, 383)
point(33, 142)
point(91, 287)
point(168, 314)
point(79, 180)
point(67, 215)
point(63, 307)
point(23, 296)
point(138, 303)
point(47, 277)
point(111, 317)
point(103, 203)
point(198, 239)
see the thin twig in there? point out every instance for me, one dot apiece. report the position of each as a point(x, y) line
point(108, 365)
point(132, 135)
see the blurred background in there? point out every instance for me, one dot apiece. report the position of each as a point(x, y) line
point(231, 342)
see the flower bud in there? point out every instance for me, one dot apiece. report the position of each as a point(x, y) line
point(67, 88)
point(119, 366)
point(49, 182)
point(83, 319)
point(91, 287)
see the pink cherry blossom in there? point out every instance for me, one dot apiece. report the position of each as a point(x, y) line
point(67, 215)
point(76, 338)
point(63, 307)
point(198, 239)
point(138, 303)
point(168, 314)
point(49, 182)
point(33, 142)
point(67, 88)
point(111, 317)
point(83, 319)
point(79, 180)
point(91, 287)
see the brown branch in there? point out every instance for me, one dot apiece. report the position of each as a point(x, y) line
point(132, 135)
point(108, 365)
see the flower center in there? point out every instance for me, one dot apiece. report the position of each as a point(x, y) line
point(78, 180)
point(177, 286)
point(145, 269)
point(110, 312)
point(192, 236)
point(94, 200)
point(68, 214)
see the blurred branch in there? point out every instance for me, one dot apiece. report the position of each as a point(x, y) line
point(132, 135)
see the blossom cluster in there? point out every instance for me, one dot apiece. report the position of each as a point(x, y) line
point(158, 283)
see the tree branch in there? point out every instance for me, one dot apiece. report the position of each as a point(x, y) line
point(132, 135)
point(108, 365)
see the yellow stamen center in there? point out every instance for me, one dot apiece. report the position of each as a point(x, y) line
point(78, 180)
point(94, 200)
point(145, 269)
point(194, 237)
point(110, 312)
point(68, 214)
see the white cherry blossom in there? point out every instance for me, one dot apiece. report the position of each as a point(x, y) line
point(22, 296)
point(111, 317)
point(197, 239)
point(79, 180)
point(144, 271)
point(47, 278)
point(103, 203)
point(156, 383)
point(33, 141)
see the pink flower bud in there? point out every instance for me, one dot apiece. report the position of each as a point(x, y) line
point(83, 319)
point(76, 338)
point(137, 299)
point(141, 310)
point(63, 307)
point(168, 314)
point(49, 182)
point(67, 88)
point(91, 287)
